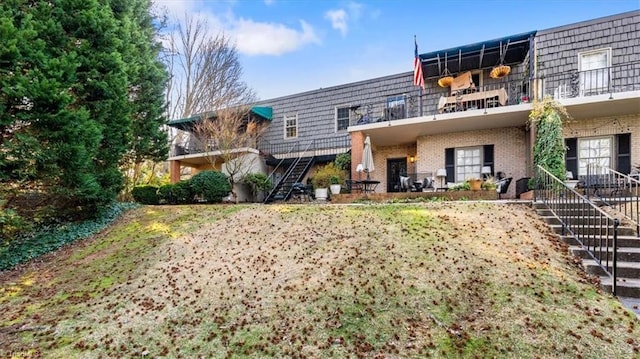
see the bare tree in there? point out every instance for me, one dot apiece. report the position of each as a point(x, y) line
point(205, 72)
point(227, 135)
point(206, 81)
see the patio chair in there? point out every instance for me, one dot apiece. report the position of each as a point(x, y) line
point(502, 186)
point(427, 184)
point(462, 83)
point(301, 192)
point(405, 185)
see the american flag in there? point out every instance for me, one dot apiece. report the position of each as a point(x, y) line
point(418, 80)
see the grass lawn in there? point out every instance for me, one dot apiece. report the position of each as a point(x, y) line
point(443, 280)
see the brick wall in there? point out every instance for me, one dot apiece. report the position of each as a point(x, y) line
point(510, 150)
point(380, 157)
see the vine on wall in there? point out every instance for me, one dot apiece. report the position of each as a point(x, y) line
point(548, 117)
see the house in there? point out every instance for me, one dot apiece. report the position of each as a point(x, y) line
point(477, 118)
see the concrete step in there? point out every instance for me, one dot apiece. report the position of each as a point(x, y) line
point(625, 269)
point(571, 202)
point(625, 287)
point(574, 219)
point(574, 211)
point(623, 241)
point(595, 230)
point(625, 254)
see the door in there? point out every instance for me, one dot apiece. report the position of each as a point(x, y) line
point(396, 167)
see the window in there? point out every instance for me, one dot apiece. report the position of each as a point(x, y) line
point(597, 150)
point(291, 126)
point(396, 108)
point(342, 118)
point(468, 163)
point(594, 71)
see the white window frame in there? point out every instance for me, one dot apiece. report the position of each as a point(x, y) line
point(475, 168)
point(601, 160)
point(287, 125)
point(348, 118)
point(594, 76)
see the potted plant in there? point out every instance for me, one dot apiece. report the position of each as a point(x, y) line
point(334, 184)
point(489, 184)
point(324, 177)
point(475, 184)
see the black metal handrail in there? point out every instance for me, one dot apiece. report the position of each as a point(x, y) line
point(615, 189)
point(319, 146)
point(606, 80)
point(292, 147)
point(299, 154)
point(595, 230)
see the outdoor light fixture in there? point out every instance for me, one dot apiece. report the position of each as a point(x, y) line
point(412, 159)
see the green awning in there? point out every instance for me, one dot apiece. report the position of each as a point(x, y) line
point(187, 123)
point(264, 112)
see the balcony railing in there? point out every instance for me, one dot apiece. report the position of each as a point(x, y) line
point(315, 147)
point(513, 90)
point(608, 80)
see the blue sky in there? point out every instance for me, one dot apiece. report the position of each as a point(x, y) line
point(288, 46)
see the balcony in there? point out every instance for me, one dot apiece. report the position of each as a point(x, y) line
point(320, 147)
point(611, 91)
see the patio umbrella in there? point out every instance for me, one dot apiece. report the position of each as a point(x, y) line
point(367, 158)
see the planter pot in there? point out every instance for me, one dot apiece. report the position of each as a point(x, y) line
point(475, 185)
point(527, 195)
point(572, 183)
point(335, 188)
point(322, 194)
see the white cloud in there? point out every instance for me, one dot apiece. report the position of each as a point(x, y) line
point(338, 20)
point(251, 37)
point(259, 38)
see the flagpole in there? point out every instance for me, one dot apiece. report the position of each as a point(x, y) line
point(418, 62)
point(420, 101)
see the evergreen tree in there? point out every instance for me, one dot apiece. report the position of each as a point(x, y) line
point(80, 87)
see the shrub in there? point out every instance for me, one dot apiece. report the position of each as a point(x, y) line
point(183, 192)
point(11, 223)
point(166, 194)
point(211, 186)
point(145, 194)
point(463, 186)
point(343, 161)
point(258, 182)
point(323, 176)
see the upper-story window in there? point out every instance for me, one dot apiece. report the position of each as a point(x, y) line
point(291, 126)
point(396, 108)
point(342, 118)
point(594, 71)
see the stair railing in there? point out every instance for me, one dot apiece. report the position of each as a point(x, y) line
point(620, 191)
point(595, 230)
point(282, 180)
point(294, 164)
